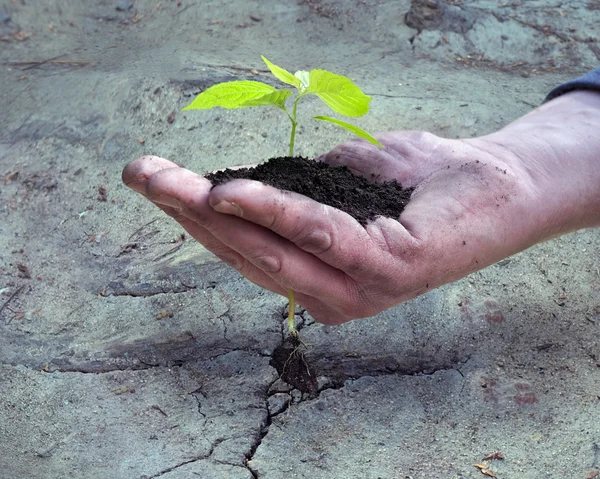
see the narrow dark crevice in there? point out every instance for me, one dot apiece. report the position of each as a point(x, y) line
point(264, 430)
point(95, 367)
point(144, 290)
point(63, 364)
point(172, 468)
point(266, 425)
point(181, 464)
point(196, 395)
point(333, 384)
point(110, 365)
point(224, 319)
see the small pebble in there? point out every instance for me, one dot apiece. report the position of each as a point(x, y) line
point(4, 18)
point(124, 6)
point(279, 386)
point(324, 382)
point(278, 403)
point(296, 396)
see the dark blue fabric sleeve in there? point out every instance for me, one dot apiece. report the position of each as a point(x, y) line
point(589, 81)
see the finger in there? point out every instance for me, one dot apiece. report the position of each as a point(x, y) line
point(363, 158)
point(183, 195)
point(137, 175)
point(286, 264)
point(323, 312)
point(402, 159)
point(145, 174)
point(330, 234)
point(370, 161)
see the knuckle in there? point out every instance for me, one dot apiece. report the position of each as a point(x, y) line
point(315, 242)
point(334, 157)
point(268, 263)
point(200, 216)
point(275, 222)
point(425, 136)
point(354, 266)
point(244, 267)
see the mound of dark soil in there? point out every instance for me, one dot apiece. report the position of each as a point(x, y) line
point(335, 186)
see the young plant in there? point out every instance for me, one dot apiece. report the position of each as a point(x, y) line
point(337, 91)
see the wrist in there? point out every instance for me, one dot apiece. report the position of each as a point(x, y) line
point(555, 151)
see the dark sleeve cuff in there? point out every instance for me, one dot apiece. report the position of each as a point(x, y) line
point(589, 81)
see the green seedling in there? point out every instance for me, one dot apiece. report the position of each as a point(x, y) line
point(337, 91)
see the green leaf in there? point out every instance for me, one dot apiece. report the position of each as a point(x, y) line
point(339, 93)
point(354, 129)
point(233, 94)
point(277, 98)
point(283, 75)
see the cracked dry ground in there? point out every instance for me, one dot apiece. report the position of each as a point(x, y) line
point(192, 391)
point(128, 351)
point(156, 383)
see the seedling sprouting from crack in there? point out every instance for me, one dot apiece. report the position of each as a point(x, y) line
point(337, 91)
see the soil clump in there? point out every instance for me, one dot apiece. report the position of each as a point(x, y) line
point(335, 186)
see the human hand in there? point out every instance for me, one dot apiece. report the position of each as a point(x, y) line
point(339, 269)
point(475, 202)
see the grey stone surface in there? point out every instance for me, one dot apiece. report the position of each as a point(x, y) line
point(132, 423)
point(129, 352)
point(435, 425)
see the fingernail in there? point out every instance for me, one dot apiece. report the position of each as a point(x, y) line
point(229, 208)
point(138, 185)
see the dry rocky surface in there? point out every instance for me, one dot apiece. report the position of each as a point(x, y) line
point(128, 351)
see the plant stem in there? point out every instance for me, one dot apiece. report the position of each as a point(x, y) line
point(291, 152)
point(291, 313)
point(291, 300)
point(294, 125)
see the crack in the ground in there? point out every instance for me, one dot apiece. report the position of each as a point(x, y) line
point(223, 317)
point(213, 446)
point(62, 364)
point(396, 372)
point(266, 425)
point(91, 369)
point(100, 367)
point(144, 290)
point(263, 431)
point(198, 392)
